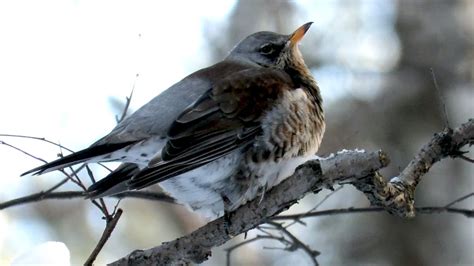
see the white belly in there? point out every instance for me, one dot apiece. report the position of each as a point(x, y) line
point(203, 188)
point(200, 189)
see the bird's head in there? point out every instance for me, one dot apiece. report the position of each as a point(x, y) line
point(270, 49)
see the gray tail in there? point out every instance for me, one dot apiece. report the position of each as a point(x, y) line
point(78, 157)
point(114, 183)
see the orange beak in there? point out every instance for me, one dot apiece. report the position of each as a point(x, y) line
point(299, 33)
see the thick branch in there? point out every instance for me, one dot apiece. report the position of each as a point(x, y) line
point(350, 167)
point(443, 144)
point(196, 247)
point(398, 195)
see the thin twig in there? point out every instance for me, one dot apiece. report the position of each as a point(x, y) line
point(43, 195)
point(264, 229)
point(315, 207)
point(58, 185)
point(36, 138)
point(111, 220)
point(74, 178)
point(40, 196)
point(424, 210)
point(116, 207)
point(90, 174)
point(465, 158)
point(229, 250)
point(77, 181)
point(103, 208)
point(465, 197)
point(325, 198)
point(441, 98)
point(109, 228)
point(421, 210)
point(431, 210)
point(48, 194)
point(22, 151)
point(47, 141)
point(296, 243)
point(127, 103)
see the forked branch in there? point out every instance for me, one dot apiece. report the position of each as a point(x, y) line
point(358, 168)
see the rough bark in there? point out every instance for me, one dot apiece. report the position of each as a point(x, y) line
point(358, 168)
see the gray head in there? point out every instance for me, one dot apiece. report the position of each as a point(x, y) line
point(270, 49)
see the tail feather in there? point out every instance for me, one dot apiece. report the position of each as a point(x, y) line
point(114, 183)
point(77, 157)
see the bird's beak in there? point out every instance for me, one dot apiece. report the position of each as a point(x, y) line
point(299, 33)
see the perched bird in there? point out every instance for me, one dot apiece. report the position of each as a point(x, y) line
point(221, 136)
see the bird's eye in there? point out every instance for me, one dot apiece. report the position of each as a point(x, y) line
point(267, 49)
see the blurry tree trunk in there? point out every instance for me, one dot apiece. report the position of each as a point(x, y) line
point(265, 14)
point(405, 114)
point(434, 35)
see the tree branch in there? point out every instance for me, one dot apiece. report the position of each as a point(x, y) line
point(41, 196)
point(397, 196)
point(257, 238)
point(358, 168)
point(109, 228)
point(296, 243)
point(47, 195)
point(421, 210)
point(128, 100)
point(311, 176)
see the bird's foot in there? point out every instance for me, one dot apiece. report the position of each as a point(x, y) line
point(227, 214)
point(228, 222)
point(262, 191)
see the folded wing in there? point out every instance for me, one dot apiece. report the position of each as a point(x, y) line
point(225, 118)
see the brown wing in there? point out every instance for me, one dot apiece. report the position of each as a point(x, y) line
point(225, 118)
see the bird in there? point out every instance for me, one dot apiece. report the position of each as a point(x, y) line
point(221, 136)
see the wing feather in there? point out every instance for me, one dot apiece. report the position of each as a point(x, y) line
point(225, 118)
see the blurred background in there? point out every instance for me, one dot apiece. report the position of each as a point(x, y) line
point(67, 66)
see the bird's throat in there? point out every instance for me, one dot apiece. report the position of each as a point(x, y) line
point(303, 78)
